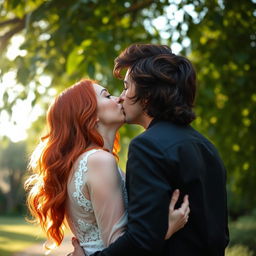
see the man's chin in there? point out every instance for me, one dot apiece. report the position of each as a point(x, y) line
point(127, 121)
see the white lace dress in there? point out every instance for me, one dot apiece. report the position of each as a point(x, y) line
point(94, 222)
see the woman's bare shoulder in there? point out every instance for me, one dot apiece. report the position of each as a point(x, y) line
point(101, 161)
point(101, 157)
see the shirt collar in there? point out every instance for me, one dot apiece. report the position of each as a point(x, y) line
point(152, 123)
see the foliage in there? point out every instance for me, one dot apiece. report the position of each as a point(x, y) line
point(71, 39)
point(13, 161)
point(68, 40)
point(243, 232)
point(238, 250)
point(224, 52)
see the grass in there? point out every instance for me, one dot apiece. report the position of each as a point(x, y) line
point(16, 234)
point(243, 237)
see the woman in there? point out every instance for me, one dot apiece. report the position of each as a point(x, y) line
point(75, 172)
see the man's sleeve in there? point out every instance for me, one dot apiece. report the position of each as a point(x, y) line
point(149, 196)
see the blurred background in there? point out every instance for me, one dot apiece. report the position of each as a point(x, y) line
point(47, 45)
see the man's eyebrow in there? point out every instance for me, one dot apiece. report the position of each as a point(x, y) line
point(125, 82)
point(103, 90)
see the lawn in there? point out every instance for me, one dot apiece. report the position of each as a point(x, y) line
point(243, 237)
point(16, 234)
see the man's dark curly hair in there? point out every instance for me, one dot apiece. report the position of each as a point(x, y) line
point(165, 83)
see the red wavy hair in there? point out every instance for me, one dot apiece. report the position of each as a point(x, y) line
point(71, 122)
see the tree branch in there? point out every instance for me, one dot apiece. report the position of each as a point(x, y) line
point(11, 21)
point(6, 37)
point(137, 6)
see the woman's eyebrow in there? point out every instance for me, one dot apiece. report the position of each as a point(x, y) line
point(103, 91)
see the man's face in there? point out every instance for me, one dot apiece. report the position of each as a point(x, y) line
point(133, 111)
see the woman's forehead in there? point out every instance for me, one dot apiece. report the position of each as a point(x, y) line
point(98, 88)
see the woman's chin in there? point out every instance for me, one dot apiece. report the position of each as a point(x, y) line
point(121, 123)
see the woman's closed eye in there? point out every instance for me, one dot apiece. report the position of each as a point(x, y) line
point(108, 96)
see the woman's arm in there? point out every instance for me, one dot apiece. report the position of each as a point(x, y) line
point(105, 192)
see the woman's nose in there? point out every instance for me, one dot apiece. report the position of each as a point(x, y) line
point(118, 99)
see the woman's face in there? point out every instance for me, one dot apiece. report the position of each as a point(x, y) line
point(110, 110)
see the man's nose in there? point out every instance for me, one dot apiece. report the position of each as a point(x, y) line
point(121, 98)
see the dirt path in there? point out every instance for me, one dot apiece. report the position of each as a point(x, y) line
point(37, 250)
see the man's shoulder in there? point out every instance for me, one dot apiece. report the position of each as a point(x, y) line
point(164, 131)
point(157, 137)
point(164, 134)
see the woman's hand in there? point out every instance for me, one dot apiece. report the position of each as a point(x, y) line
point(78, 250)
point(177, 217)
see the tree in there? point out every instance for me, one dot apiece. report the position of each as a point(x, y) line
point(13, 161)
point(224, 52)
point(68, 40)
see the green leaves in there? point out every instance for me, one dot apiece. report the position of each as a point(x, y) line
point(68, 40)
point(224, 58)
point(74, 60)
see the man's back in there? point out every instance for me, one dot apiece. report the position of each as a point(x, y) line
point(186, 160)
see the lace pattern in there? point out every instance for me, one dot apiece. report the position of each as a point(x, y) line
point(82, 169)
point(88, 234)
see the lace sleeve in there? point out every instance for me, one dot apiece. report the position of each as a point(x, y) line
point(105, 191)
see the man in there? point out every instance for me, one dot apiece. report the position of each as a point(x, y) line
point(159, 94)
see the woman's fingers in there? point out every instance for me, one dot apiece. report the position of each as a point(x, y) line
point(187, 211)
point(75, 242)
point(78, 251)
point(175, 197)
point(177, 217)
point(185, 204)
point(184, 210)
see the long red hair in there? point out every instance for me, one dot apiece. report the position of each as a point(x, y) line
point(71, 122)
